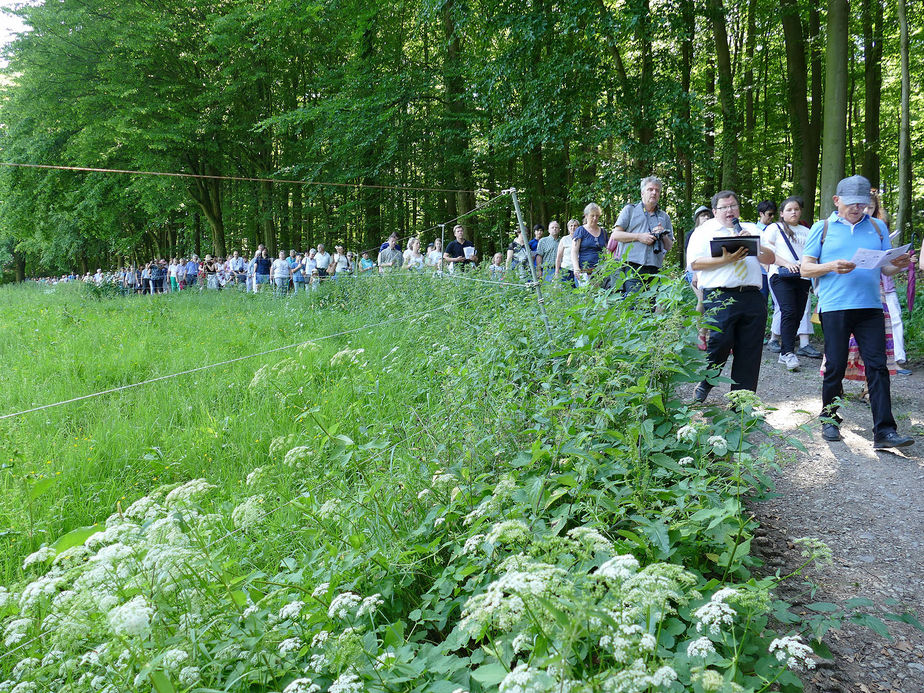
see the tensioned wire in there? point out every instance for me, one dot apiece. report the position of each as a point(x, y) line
point(246, 179)
point(229, 361)
point(285, 504)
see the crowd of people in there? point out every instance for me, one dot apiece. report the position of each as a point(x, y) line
point(857, 307)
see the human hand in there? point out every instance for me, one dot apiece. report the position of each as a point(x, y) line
point(902, 261)
point(739, 254)
point(842, 266)
point(791, 266)
point(646, 238)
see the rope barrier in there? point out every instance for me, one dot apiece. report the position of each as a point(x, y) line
point(220, 363)
point(244, 179)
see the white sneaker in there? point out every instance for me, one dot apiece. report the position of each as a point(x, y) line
point(790, 360)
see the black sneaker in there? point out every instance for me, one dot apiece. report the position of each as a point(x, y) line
point(774, 346)
point(830, 432)
point(809, 352)
point(892, 439)
point(701, 392)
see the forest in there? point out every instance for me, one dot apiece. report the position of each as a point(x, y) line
point(363, 118)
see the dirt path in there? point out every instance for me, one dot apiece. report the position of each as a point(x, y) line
point(868, 507)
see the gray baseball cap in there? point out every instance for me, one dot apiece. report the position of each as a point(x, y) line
point(853, 191)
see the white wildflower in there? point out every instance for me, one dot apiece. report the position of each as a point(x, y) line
point(385, 660)
point(664, 676)
point(701, 647)
point(25, 687)
point(172, 659)
point(347, 357)
point(144, 509)
point(188, 492)
point(330, 508)
point(290, 645)
point(442, 479)
point(521, 643)
point(5, 596)
point(254, 476)
point(687, 433)
point(619, 568)
point(317, 663)
point(685, 461)
point(248, 513)
point(525, 679)
point(320, 638)
point(291, 610)
point(791, 651)
point(43, 555)
point(24, 666)
point(719, 445)
point(438, 522)
point(714, 613)
point(591, 537)
point(282, 444)
point(189, 675)
point(423, 494)
point(341, 605)
point(370, 605)
point(303, 685)
point(250, 611)
point(132, 618)
point(347, 682)
point(508, 532)
point(472, 543)
point(297, 454)
point(320, 590)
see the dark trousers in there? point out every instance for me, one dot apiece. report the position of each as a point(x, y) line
point(637, 277)
point(741, 317)
point(868, 327)
point(791, 295)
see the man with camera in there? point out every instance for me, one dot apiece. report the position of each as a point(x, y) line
point(644, 234)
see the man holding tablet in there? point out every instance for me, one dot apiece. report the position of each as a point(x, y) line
point(731, 285)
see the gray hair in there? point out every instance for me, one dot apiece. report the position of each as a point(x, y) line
point(652, 179)
point(592, 207)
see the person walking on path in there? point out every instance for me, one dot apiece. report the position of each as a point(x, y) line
point(849, 301)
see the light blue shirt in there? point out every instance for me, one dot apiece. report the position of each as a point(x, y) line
point(857, 289)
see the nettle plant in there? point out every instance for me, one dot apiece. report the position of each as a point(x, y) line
point(562, 523)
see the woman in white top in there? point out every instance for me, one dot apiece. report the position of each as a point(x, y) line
point(435, 255)
point(413, 259)
point(786, 238)
point(564, 267)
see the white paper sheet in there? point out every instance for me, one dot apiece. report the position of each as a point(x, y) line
point(871, 259)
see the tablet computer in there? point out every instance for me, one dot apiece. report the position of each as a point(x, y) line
point(752, 243)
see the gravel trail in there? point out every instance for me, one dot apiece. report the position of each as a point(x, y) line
point(867, 506)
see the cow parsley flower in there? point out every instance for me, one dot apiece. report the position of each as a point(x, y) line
point(619, 568)
point(5, 596)
point(290, 645)
point(330, 508)
point(687, 433)
point(719, 445)
point(189, 492)
point(189, 675)
point(701, 647)
point(254, 476)
point(302, 685)
point(172, 659)
point(290, 610)
point(342, 604)
point(370, 605)
point(248, 513)
point(347, 682)
point(508, 532)
point(684, 461)
point(525, 679)
point(296, 455)
point(715, 613)
point(320, 638)
point(43, 555)
point(592, 538)
point(791, 651)
point(472, 543)
point(132, 618)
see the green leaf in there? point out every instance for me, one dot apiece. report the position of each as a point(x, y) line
point(490, 674)
point(823, 607)
point(873, 623)
point(39, 487)
point(162, 682)
point(76, 537)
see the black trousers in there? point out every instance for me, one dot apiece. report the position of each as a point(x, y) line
point(868, 327)
point(791, 295)
point(741, 318)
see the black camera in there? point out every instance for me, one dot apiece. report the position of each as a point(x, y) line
point(658, 245)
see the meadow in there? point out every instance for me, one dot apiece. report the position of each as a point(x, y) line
point(426, 494)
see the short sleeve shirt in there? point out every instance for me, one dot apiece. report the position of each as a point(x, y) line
point(591, 248)
point(634, 219)
point(281, 269)
point(547, 248)
point(857, 289)
point(745, 272)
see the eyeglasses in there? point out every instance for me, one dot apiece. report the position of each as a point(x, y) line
point(734, 206)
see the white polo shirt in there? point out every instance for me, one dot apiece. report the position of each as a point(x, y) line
point(744, 272)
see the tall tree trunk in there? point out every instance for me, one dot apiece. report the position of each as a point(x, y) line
point(835, 107)
point(904, 216)
point(872, 64)
point(266, 218)
point(710, 183)
point(685, 148)
point(19, 266)
point(750, 120)
point(457, 130)
point(207, 193)
point(197, 226)
point(726, 97)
